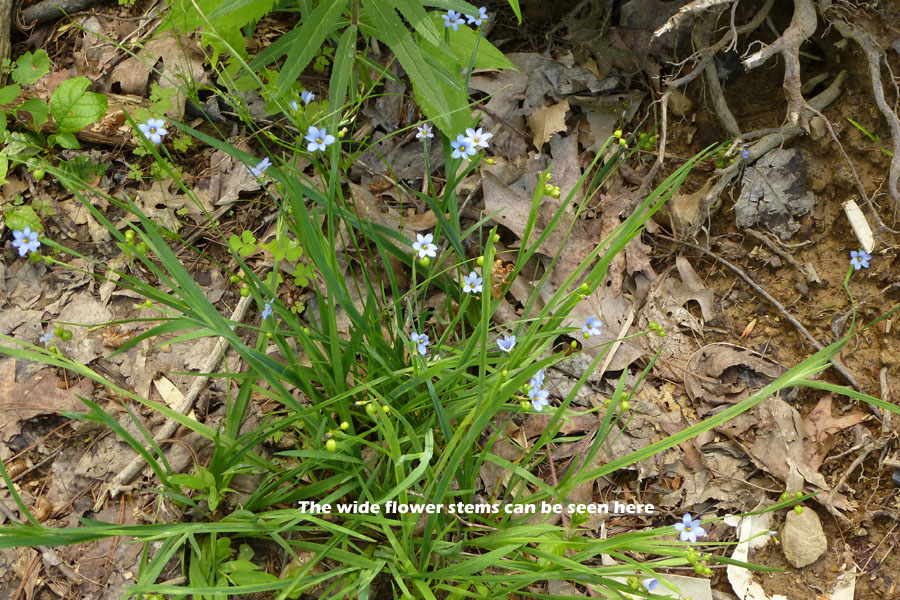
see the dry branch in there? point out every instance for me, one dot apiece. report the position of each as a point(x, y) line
point(53, 9)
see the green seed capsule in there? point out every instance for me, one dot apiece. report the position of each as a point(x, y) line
point(525, 404)
point(480, 261)
point(66, 335)
point(331, 445)
point(625, 405)
point(424, 261)
point(345, 425)
point(370, 409)
point(798, 509)
point(245, 291)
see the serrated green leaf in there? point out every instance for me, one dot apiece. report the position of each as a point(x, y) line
point(31, 67)
point(9, 93)
point(74, 108)
point(38, 109)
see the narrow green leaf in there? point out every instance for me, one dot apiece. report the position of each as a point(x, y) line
point(309, 39)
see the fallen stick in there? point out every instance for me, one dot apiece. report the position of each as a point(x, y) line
point(53, 9)
point(120, 482)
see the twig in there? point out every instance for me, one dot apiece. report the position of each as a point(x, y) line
point(121, 481)
point(693, 7)
point(768, 297)
point(771, 246)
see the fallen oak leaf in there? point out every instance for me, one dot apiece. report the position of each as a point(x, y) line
point(37, 395)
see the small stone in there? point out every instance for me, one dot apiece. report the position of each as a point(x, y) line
point(803, 289)
point(802, 539)
point(680, 104)
point(817, 128)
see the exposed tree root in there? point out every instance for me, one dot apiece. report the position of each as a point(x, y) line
point(874, 57)
point(803, 25)
point(767, 142)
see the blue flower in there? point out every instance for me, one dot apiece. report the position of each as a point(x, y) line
point(423, 245)
point(318, 139)
point(507, 343)
point(591, 326)
point(690, 529)
point(421, 342)
point(860, 260)
point(267, 310)
point(477, 19)
point(478, 139)
point(539, 398)
point(153, 130)
point(261, 167)
point(452, 19)
point(307, 97)
point(424, 132)
point(294, 106)
point(462, 147)
point(26, 241)
point(745, 153)
point(48, 338)
point(650, 583)
point(537, 380)
point(472, 283)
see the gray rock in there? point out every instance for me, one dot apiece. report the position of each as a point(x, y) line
point(773, 192)
point(802, 539)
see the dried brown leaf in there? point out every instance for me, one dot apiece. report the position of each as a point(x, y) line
point(37, 395)
point(546, 121)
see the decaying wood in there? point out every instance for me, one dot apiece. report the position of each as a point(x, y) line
point(53, 9)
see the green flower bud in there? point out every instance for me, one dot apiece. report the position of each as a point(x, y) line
point(234, 279)
point(617, 133)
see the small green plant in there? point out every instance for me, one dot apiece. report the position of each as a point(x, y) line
point(871, 136)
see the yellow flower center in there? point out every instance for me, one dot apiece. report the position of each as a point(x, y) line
point(153, 130)
point(319, 140)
